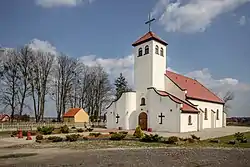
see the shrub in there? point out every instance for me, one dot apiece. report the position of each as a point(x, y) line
point(95, 134)
point(111, 133)
point(117, 136)
point(172, 140)
point(14, 133)
point(244, 141)
point(239, 136)
point(39, 137)
point(90, 129)
point(124, 132)
point(80, 130)
point(55, 138)
point(151, 138)
point(73, 137)
point(195, 137)
point(232, 142)
point(65, 129)
point(191, 140)
point(183, 139)
point(214, 141)
point(138, 132)
point(45, 130)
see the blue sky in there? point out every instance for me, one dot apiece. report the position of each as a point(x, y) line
point(208, 40)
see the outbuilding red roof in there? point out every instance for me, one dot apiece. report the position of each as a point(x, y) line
point(2, 116)
point(195, 90)
point(72, 112)
point(147, 37)
point(186, 106)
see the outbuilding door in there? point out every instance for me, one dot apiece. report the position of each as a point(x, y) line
point(143, 121)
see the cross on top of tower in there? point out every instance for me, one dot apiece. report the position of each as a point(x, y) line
point(150, 20)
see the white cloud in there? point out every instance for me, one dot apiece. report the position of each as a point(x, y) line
point(113, 66)
point(60, 3)
point(242, 20)
point(192, 15)
point(44, 46)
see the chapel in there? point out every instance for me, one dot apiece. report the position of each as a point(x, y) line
point(163, 100)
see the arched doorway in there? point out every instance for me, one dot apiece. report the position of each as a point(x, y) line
point(143, 121)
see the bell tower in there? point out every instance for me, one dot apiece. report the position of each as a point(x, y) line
point(149, 61)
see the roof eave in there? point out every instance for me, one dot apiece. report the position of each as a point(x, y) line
point(149, 39)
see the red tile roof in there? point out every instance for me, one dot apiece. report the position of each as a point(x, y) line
point(2, 116)
point(186, 106)
point(195, 90)
point(72, 112)
point(148, 36)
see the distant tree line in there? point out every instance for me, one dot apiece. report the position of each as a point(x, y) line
point(37, 75)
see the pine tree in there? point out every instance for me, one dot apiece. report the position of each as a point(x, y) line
point(121, 86)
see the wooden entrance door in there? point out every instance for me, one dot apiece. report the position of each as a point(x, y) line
point(143, 121)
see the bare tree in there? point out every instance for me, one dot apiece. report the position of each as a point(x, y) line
point(39, 71)
point(10, 82)
point(229, 96)
point(23, 67)
point(98, 94)
point(64, 75)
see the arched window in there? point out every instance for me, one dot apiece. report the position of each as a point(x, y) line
point(189, 120)
point(162, 52)
point(146, 49)
point(156, 49)
point(143, 102)
point(205, 117)
point(217, 114)
point(140, 52)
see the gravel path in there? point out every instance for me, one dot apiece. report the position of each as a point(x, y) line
point(135, 158)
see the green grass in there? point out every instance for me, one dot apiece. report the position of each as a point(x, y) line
point(223, 142)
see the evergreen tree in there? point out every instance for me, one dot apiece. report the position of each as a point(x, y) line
point(121, 86)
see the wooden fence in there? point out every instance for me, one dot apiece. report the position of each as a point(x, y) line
point(33, 126)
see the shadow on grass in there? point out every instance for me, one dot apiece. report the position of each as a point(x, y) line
point(18, 155)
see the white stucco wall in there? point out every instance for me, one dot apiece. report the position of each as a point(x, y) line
point(185, 127)
point(159, 66)
point(211, 121)
point(125, 106)
point(173, 89)
point(149, 69)
point(143, 67)
point(158, 104)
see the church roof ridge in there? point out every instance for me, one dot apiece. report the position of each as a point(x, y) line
point(147, 37)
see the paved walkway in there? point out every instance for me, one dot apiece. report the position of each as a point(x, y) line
point(209, 133)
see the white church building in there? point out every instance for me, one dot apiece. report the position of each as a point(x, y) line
point(163, 100)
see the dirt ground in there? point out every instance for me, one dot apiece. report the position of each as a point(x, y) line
point(157, 157)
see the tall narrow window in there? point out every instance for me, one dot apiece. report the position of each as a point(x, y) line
point(156, 49)
point(140, 52)
point(143, 101)
point(205, 117)
point(162, 52)
point(189, 120)
point(217, 114)
point(146, 49)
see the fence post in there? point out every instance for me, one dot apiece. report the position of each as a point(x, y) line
point(2, 126)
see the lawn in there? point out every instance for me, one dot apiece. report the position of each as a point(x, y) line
point(223, 142)
point(131, 143)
